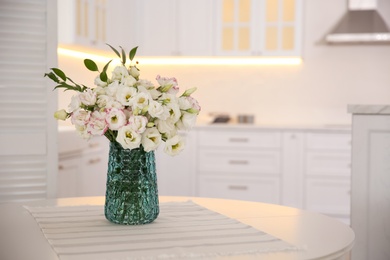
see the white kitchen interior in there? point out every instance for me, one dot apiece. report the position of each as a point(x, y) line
point(298, 150)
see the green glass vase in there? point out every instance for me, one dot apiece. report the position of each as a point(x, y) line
point(131, 190)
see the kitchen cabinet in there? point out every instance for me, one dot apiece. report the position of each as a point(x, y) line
point(239, 164)
point(370, 208)
point(259, 27)
point(303, 168)
point(82, 166)
point(175, 174)
point(175, 28)
point(93, 23)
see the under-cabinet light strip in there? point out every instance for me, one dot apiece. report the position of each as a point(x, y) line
point(190, 60)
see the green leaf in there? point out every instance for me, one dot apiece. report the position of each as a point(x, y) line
point(106, 66)
point(103, 76)
point(123, 56)
point(112, 48)
point(59, 73)
point(52, 76)
point(91, 65)
point(132, 53)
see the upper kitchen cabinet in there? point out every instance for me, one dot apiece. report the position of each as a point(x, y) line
point(259, 27)
point(93, 23)
point(175, 28)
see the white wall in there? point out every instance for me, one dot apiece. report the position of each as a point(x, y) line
point(315, 92)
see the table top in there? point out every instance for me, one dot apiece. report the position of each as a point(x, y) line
point(321, 237)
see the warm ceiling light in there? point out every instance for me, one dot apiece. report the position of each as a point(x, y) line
point(189, 60)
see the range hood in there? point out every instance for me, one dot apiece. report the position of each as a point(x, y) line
point(361, 24)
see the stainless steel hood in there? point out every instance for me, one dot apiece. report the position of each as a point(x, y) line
point(361, 24)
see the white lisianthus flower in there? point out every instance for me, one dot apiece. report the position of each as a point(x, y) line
point(88, 98)
point(61, 114)
point(112, 88)
point(128, 138)
point(125, 94)
point(174, 145)
point(157, 110)
point(140, 100)
point(119, 73)
point(187, 121)
point(99, 91)
point(115, 118)
point(167, 127)
point(184, 103)
point(174, 112)
point(74, 103)
point(97, 124)
point(134, 71)
point(194, 103)
point(145, 83)
point(98, 82)
point(138, 123)
point(128, 81)
point(103, 100)
point(152, 92)
point(151, 139)
point(114, 104)
point(82, 131)
point(80, 117)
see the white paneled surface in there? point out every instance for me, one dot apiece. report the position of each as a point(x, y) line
point(370, 212)
point(28, 157)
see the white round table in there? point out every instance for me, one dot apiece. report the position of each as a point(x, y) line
point(322, 237)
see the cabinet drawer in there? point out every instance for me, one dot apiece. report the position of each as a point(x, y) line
point(328, 164)
point(254, 162)
point(328, 141)
point(328, 196)
point(263, 190)
point(245, 139)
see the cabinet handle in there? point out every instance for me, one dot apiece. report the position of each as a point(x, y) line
point(61, 167)
point(237, 187)
point(242, 162)
point(238, 140)
point(93, 145)
point(93, 161)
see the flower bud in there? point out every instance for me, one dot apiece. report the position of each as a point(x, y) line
point(61, 115)
point(134, 71)
point(188, 92)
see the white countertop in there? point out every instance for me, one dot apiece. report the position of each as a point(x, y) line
point(369, 109)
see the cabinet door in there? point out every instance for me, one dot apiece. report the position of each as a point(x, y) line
point(252, 189)
point(93, 176)
point(195, 27)
point(158, 28)
point(259, 27)
point(175, 174)
point(83, 22)
point(279, 33)
point(69, 170)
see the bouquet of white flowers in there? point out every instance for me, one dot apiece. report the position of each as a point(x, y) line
point(127, 109)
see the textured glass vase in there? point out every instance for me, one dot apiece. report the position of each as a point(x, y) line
point(131, 191)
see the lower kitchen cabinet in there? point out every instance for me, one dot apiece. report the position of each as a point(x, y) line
point(82, 166)
point(303, 168)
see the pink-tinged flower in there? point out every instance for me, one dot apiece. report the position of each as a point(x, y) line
point(128, 138)
point(168, 85)
point(80, 117)
point(97, 124)
point(115, 118)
